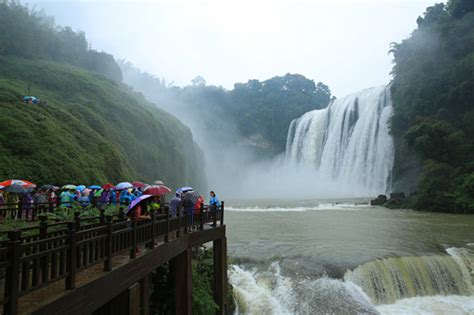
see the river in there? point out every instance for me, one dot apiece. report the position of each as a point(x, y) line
point(346, 257)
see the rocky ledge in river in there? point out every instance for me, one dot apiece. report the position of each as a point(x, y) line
point(396, 199)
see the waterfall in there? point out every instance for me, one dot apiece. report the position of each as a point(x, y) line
point(347, 144)
point(387, 280)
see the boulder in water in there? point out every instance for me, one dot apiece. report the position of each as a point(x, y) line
point(380, 200)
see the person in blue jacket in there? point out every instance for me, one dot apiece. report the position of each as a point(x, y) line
point(214, 202)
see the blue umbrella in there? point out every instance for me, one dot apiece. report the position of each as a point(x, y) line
point(123, 185)
point(135, 202)
point(184, 189)
point(95, 187)
point(80, 187)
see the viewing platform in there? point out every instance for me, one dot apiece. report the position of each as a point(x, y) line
point(101, 264)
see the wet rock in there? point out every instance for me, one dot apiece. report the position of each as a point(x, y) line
point(380, 200)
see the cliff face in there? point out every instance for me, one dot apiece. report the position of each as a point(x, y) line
point(407, 168)
point(89, 129)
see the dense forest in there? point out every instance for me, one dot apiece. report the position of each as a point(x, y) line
point(258, 113)
point(87, 128)
point(30, 34)
point(433, 95)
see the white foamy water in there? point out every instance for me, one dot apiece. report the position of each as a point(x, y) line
point(319, 207)
point(269, 292)
point(347, 144)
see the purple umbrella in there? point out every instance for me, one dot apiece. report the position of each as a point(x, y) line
point(135, 202)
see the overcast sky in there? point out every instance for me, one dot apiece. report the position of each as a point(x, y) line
point(341, 43)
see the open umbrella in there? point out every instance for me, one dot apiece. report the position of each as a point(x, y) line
point(107, 186)
point(136, 202)
point(94, 187)
point(156, 190)
point(123, 185)
point(184, 189)
point(138, 184)
point(69, 187)
point(80, 187)
point(17, 189)
point(158, 182)
point(191, 197)
point(18, 182)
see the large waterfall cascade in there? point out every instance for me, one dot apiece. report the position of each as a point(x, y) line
point(348, 143)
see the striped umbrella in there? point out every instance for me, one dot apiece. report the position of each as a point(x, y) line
point(17, 182)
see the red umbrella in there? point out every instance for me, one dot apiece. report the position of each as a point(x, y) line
point(17, 182)
point(108, 186)
point(138, 184)
point(157, 190)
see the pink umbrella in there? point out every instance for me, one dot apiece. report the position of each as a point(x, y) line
point(156, 190)
point(138, 184)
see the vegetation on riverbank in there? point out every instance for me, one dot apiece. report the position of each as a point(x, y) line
point(433, 95)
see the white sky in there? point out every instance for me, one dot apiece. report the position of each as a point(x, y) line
point(341, 43)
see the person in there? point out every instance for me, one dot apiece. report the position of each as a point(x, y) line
point(40, 198)
point(84, 199)
point(2, 200)
point(66, 197)
point(11, 201)
point(26, 202)
point(214, 201)
point(140, 212)
point(104, 197)
point(155, 204)
point(175, 205)
point(125, 197)
point(188, 206)
point(112, 197)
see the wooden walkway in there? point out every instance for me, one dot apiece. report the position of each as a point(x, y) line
point(78, 268)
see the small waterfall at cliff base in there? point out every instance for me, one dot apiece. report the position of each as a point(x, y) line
point(434, 284)
point(347, 145)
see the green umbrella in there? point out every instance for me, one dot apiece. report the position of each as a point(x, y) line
point(69, 187)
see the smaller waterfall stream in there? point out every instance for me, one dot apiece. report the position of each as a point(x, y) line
point(417, 285)
point(347, 143)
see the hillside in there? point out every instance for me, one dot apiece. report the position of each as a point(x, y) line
point(92, 130)
point(433, 96)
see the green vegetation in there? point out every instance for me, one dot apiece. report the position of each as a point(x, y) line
point(255, 113)
point(433, 94)
point(162, 298)
point(34, 35)
point(92, 130)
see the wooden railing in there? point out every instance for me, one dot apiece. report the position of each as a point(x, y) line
point(58, 251)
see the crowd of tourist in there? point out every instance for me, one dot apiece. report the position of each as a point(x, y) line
point(138, 199)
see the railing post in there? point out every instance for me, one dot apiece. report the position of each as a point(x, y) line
point(180, 213)
point(133, 253)
point(186, 221)
point(77, 220)
point(102, 216)
point(215, 210)
point(222, 213)
point(108, 244)
point(151, 245)
point(43, 227)
point(43, 234)
point(71, 262)
point(12, 276)
point(19, 210)
point(167, 210)
point(201, 219)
